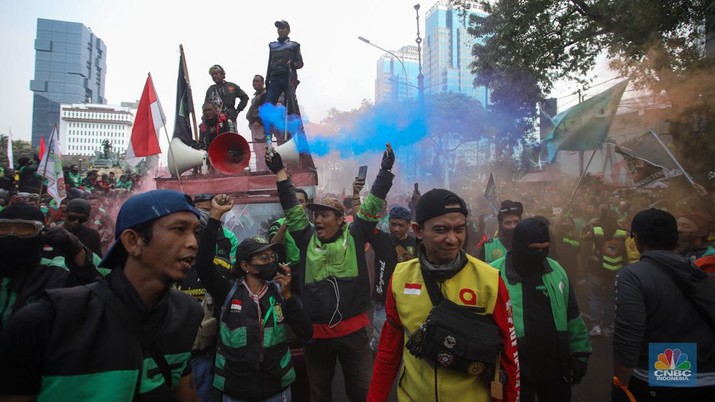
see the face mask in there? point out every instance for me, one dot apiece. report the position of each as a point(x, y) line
point(533, 256)
point(19, 254)
point(506, 236)
point(267, 271)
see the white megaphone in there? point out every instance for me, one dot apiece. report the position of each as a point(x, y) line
point(182, 158)
point(289, 151)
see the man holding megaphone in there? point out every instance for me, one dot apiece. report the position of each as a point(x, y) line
point(334, 279)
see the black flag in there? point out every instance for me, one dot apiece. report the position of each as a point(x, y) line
point(184, 105)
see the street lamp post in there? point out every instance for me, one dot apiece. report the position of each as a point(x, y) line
point(418, 40)
point(404, 70)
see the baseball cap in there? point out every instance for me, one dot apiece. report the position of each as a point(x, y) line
point(281, 24)
point(143, 208)
point(79, 206)
point(327, 204)
point(656, 223)
point(434, 203)
point(509, 207)
point(253, 245)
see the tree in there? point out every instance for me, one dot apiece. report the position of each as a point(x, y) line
point(19, 149)
point(657, 44)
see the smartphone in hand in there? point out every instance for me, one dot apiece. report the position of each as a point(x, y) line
point(362, 173)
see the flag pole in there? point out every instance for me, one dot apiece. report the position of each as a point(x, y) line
point(687, 176)
point(578, 184)
point(171, 155)
point(171, 151)
point(49, 147)
point(190, 92)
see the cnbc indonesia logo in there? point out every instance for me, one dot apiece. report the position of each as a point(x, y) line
point(673, 364)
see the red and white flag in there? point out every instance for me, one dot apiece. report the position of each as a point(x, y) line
point(51, 168)
point(413, 288)
point(149, 120)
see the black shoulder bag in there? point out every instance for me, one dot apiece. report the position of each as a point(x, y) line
point(456, 337)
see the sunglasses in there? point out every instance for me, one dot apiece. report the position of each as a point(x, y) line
point(20, 228)
point(79, 219)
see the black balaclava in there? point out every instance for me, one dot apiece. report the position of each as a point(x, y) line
point(20, 253)
point(528, 261)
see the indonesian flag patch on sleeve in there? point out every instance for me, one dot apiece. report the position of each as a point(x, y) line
point(413, 288)
point(235, 306)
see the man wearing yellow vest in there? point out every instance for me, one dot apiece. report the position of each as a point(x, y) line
point(444, 271)
point(608, 256)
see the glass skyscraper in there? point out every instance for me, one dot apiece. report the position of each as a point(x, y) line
point(70, 67)
point(448, 50)
point(393, 82)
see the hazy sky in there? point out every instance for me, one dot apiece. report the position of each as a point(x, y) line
point(144, 36)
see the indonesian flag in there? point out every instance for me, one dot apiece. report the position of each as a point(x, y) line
point(413, 288)
point(51, 168)
point(149, 120)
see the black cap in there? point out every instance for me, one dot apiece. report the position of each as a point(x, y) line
point(656, 223)
point(509, 207)
point(433, 203)
point(79, 206)
point(253, 245)
point(282, 24)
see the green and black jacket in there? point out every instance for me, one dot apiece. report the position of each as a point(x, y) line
point(335, 282)
point(71, 346)
point(28, 285)
point(570, 327)
point(253, 359)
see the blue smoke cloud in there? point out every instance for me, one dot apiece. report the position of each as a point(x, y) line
point(400, 124)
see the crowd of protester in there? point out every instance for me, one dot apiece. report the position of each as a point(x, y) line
point(122, 293)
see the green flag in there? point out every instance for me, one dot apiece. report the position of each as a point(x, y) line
point(586, 125)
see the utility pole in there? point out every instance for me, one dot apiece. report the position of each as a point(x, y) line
point(418, 40)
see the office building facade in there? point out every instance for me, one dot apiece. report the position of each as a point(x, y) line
point(84, 127)
point(448, 50)
point(397, 78)
point(70, 68)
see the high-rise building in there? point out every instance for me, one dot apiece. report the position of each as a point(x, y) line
point(397, 78)
point(70, 67)
point(448, 50)
point(84, 127)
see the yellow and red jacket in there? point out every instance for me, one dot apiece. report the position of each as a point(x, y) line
point(408, 305)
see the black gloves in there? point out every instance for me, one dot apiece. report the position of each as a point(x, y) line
point(274, 162)
point(60, 238)
point(578, 370)
point(388, 158)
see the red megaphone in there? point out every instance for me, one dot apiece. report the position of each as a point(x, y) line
point(229, 153)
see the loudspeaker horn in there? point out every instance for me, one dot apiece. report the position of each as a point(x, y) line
point(229, 153)
point(182, 158)
point(289, 151)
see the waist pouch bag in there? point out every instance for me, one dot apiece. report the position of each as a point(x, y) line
point(458, 338)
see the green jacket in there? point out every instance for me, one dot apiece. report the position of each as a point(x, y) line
point(570, 327)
